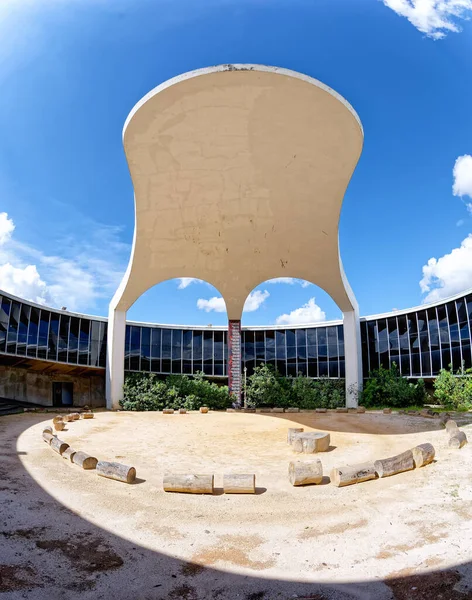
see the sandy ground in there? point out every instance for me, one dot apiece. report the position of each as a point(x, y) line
point(67, 533)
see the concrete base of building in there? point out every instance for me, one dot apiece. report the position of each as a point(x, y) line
point(38, 387)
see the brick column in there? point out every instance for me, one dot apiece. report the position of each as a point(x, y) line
point(234, 360)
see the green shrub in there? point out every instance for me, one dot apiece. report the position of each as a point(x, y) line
point(454, 391)
point(266, 387)
point(144, 391)
point(386, 387)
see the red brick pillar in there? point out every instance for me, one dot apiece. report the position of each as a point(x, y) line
point(234, 360)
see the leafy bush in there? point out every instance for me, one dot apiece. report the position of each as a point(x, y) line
point(454, 391)
point(144, 391)
point(266, 387)
point(386, 387)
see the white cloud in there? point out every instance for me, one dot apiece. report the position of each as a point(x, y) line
point(308, 313)
point(24, 283)
point(216, 304)
point(448, 275)
point(6, 228)
point(186, 281)
point(289, 281)
point(460, 222)
point(254, 300)
point(435, 18)
point(462, 173)
point(89, 268)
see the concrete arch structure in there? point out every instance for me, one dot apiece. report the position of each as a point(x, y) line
point(239, 173)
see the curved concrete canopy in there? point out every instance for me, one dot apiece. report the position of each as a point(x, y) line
point(239, 173)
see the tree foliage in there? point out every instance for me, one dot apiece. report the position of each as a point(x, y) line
point(144, 391)
point(386, 387)
point(454, 391)
point(267, 388)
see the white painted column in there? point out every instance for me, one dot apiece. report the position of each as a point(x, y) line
point(353, 357)
point(115, 358)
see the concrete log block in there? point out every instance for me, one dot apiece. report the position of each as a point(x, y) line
point(188, 484)
point(349, 475)
point(305, 472)
point(239, 483)
point(292, 431)
point(395, 464)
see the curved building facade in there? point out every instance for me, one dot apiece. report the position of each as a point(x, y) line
point(50, 357)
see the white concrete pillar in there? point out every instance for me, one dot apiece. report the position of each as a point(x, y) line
point(115, 358)
point(353, 357)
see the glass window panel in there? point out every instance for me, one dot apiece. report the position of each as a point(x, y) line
point(13, 327)
point(466, 355)
point(280, 345)
point(435, 362)
point(323, 369)
point(187, 348)
point(53, 336)
point(405, 365)
point(270, 339)
point(177, 351)
point(84, 336)
point(33, 330)
point(469, 306)
point(156, 350)
point(145, 336)
point(456, 358)
point(433, 328)
point(301, 337)
point(313, 368)
point(290, 337)
point(383, 342)
point(73, 343)
point(22, 329)
point(197, 351)
point(102, 358)
point(127, 346)
point(372, 340)
point(134, 348)
point(311, 336)
point(340, 332)
point(63, 338)
point(95, 343)
point(5, 309)
point(281, 367)
point(302, 368)
point(415, 364)
point(166, 343)
point(333, 368)
point(393, 339)
point(403, 335)
point(412, 324)
point(451, 312)
point(365, 355)
point(43, 333)
point(259, 338)
point(461, 310)
point(422, 322)
point(321, 336)
point(208, 352)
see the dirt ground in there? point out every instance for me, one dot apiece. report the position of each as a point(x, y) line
point(67, 533)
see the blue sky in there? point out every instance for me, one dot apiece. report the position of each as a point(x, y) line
point(71, 70)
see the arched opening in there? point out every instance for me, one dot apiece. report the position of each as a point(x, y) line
point(297, 329)
point(166, 333)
